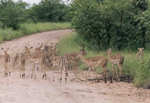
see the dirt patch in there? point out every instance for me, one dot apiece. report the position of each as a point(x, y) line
point(14, 89)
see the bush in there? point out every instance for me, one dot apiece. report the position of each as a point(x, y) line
point(121, 24)
point(132, 66)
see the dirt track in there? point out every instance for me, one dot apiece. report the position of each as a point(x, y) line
point(14, 89)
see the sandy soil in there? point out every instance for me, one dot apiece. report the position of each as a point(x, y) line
point(14, 89)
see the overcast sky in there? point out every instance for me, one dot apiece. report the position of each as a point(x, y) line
point(33, 1)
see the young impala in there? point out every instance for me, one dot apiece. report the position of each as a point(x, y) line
point(6, 61)
point(116, 60)
point(140, 54)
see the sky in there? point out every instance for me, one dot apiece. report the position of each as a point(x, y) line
point(33, 1)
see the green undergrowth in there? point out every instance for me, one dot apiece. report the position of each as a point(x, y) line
point(139, 69)
point(29, 28)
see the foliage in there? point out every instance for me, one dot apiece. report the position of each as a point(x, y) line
point(132, 66)
point(111, 23)
point(48, 10)
point(28, 28)
point(12, 13)
point(143, 73)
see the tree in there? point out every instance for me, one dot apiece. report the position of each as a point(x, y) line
point(111, 23)
point(12, 13)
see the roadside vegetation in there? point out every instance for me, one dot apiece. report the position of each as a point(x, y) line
point(123, 25)
point(132, 66)
point(29, 28)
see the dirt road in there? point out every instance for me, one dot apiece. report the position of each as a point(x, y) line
point(14, 89)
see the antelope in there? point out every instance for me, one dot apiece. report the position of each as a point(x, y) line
point(56, 61)
point(72, 57)
point(63, 62)
point(6, 61)
point(21, 64)
point(116, 60)
point(49, 52)
point(38, 49)
point(94, 62)
point(140, 54)
point(36, 58)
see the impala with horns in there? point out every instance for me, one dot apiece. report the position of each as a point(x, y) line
point(115, 60)
point(94, 62)
point(6, 61)
point(140, 54)
point(72, 57)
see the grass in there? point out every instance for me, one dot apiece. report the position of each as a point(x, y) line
point(29, 28)
point(139, 69)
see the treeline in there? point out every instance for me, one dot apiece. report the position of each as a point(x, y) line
point(13, 13)
point(120, 24)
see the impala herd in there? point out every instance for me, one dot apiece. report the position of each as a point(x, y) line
point(47, 55)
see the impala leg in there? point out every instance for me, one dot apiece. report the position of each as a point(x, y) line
point(116, 70)
point(106, 72)
point(9, 67)
point(44, 70)
point(58, 68)
point(75, 68)
point(88, 73)
point(5, 71)
point(53, 74)
point(95, 74)
point(66, 68)
point(34, 71)
point(61, 75)
point(20, 71)
point(113, 69)
point(37, 66)
point(120, 69)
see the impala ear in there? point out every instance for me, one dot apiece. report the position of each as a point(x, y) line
point(26, 47)
point(31, 47)
point(142, 48)
point(138, 48)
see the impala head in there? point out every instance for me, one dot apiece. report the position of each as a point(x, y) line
point(54, 46)
point(82, 51)
point(27, 49)
point(108, 51)
point(5, 51)
point(140, 49)
point(41, 44)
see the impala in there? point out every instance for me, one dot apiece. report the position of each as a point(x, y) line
point(116, 60)
point(140, 54)
point(94, 62)
point(6, 61)
point(36, 58)
point(72, 57)
point(21, 64)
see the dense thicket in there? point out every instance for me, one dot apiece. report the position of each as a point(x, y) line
point(48, 10)
point(13, 13)
point(120, 24)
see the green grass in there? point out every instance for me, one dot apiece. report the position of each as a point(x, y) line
point(139, 69)
point(29, 28)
